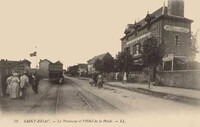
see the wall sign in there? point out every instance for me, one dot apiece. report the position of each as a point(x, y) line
point(139, 38)
point(176, 29)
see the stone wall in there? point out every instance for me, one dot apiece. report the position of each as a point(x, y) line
point(132, 77)
point(182, 79)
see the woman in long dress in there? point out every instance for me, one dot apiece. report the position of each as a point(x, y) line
point(14, 90)
point(8, 81)
point(124, 78)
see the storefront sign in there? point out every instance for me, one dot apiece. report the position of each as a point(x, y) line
point(176, 29)
point(139, 38)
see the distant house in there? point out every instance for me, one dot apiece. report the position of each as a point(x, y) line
point(44, 68)
point(46, 65)
point(7, 66)
point(82, 69)
point(91, 62)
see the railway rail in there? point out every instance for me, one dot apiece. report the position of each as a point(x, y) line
point(71, 83)
point(52, 98)
point(84, 99)
point(42, 97)
point(57, 99)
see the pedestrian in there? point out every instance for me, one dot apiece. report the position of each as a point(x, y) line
point(23, 85)
point(124, 78)
point(94, 77)
point(14, 86)
point(116, 76)
point(35, 83)
point(8, 82)
point(100, 81)
point(4, 84)
point(61, 80)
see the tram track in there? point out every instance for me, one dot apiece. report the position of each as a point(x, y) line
point(53, 100)
point(94, 106)
point(38, 100)
point(57, 100)
point(84, 99)
point(45, 96)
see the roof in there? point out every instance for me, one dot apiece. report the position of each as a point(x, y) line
point(100, 57)
point(82, 66)
point(155, 14)
point(161, 12)
point(45, 60)
point(58, 62)
point(9, 63)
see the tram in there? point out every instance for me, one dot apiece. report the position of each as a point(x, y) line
point(56, 72)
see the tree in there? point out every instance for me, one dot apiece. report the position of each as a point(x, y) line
point(108, 64)
point(193, 43)
point(98, 65)
point(124, 62)
point(73, 70)
point(153, 52)
point(105, 65)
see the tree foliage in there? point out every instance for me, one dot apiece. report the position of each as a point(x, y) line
point(108, 64)
point(98, 65)
point(73, 70)
point(124, 61)
point(194, 43)
point(153, 52)
point(105, 65)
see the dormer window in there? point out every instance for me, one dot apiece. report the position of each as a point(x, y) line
point(136, 26)
point(148, 19)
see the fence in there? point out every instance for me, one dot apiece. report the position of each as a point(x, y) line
point(183, 79)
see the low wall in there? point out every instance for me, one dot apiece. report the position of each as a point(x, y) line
point(182, 79)
point(137, 77)
point(131, 77)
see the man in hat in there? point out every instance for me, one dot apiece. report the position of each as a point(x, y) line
point(35, 82)
point(24, 84)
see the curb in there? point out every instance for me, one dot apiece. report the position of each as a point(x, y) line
point(167, 96)
point(87, 79)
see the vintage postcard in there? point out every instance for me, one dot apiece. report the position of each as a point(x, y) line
point(101, 63)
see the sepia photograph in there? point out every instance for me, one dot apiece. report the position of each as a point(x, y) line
point(114, 63)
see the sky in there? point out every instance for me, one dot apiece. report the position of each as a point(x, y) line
point(72, 31)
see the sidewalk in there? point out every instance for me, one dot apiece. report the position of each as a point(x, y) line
point(161, 89)
point(189, 96)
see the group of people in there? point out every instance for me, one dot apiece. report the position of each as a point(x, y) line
point(15, 85)
point(97, 80)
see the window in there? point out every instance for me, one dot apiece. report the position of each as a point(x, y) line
point(176, 40)
point(137, 49)
point(134, 49)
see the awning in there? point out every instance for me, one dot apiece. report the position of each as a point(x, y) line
point(183, 60)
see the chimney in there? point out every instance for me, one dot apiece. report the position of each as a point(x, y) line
point(176, 7)
point(163, 9)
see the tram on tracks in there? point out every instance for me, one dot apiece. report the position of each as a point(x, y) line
point(56, 72)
